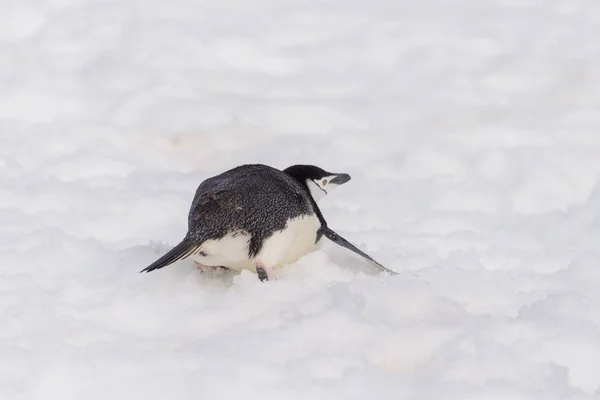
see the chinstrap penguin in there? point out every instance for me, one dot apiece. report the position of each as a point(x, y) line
point(257, 217)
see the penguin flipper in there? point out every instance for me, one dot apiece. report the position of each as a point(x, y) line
point(337, 239)
point(179, 252)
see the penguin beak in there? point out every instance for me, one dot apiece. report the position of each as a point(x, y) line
point(340, 179)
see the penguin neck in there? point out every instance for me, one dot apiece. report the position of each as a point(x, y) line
point(315, 190)
point(313, 201)
point(304, 185)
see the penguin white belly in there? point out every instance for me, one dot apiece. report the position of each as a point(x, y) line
point(288, 245)
point(281, 248)
point(230, 251)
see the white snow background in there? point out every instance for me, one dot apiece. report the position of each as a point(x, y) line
point(471, 129)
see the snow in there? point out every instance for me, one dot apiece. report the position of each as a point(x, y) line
point(470, 129)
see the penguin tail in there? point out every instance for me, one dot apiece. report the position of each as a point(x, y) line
point(183, 250)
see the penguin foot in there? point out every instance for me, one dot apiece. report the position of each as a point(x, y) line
point(200, 266)
point(203, 267)
point(264, 273)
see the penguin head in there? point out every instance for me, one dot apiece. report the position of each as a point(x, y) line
point(316, 180)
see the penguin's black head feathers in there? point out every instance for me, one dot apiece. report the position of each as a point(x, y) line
point(316, 180)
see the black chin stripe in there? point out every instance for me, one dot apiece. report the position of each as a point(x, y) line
point(324, 191)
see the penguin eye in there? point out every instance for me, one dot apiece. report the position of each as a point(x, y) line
point(324, 182)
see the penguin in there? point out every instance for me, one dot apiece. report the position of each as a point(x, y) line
point(314, 179)
point(259, 218)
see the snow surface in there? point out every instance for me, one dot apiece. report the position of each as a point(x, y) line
point(471, 129)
